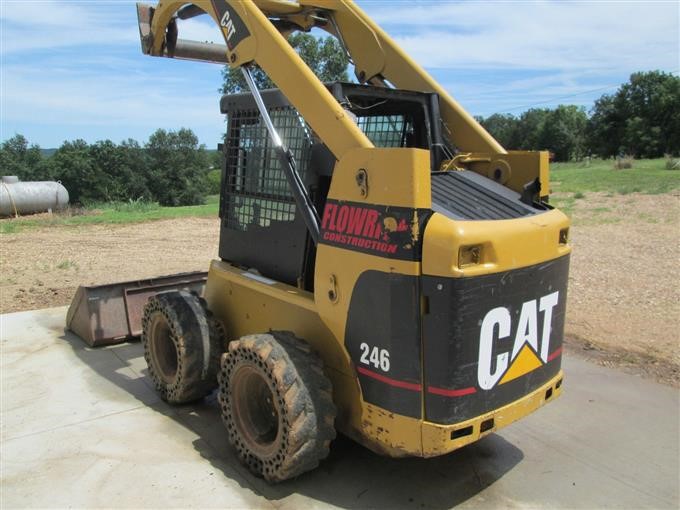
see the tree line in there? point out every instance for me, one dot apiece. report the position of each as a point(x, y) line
point(641, 119)
point(171, 168)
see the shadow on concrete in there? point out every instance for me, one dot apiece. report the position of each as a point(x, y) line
point(351, 477)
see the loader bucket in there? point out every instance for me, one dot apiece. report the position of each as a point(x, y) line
point(112, 313)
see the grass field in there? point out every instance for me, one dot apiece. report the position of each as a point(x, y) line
point(569, 182)
point(647, 176)
point(112, 213)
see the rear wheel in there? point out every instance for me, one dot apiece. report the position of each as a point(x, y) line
point(276, 404)
point(182, 346)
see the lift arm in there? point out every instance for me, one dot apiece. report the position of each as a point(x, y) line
point(252, 32)
point(255, 30)
point(251, 37)
point(377, 57)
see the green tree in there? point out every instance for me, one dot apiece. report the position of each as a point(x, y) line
point(136, 170)
point(25, 161)
point(564, 132)
point(530, 124)
point(215, 158)
point(171, 169)
point(641, 118)
point(561, 131)
point(72, 165)
point(123, 168)
point(177, 167)
point(215, 174)
point(324, 56)
point(605, 127)
point(502, 127)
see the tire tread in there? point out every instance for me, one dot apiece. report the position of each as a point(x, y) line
point(297, 373)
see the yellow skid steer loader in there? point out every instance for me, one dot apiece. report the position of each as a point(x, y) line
point(386, 269)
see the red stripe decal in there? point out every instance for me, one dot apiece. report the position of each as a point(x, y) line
point(555, 354)
point(451, 393)
point(390, 381)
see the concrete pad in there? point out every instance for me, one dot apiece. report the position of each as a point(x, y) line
point(82, 427)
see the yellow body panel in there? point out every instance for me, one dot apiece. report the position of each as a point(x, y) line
point(248, 303)
point(505, 244)
point(401, 436)
point(513, 169)
point(396, 177)
point(437, 438)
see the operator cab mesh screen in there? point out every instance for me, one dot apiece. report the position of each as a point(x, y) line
point(388, 130)
point(260, 227)
point(257, 192)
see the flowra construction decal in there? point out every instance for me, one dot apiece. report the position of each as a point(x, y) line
point(393, 232)
point(526, 353)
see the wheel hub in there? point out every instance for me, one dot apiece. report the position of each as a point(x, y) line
point(256, 413)
point(163, 349)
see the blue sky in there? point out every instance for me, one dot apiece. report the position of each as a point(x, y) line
point(73, 69)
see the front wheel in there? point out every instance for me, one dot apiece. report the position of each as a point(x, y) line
point(182, 346)
point(276, 404)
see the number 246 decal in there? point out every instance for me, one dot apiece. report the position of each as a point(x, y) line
point(378, 358)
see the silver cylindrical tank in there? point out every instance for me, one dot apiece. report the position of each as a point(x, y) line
point(31, 197)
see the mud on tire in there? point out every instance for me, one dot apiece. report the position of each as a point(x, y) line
point(182, 346)
point(276, 404)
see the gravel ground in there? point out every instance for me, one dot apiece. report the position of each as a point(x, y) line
point(624, 287)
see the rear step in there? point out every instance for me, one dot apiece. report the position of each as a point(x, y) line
point(112, 313)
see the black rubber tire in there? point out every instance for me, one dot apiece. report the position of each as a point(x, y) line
point(283, 368)
point(182, 346)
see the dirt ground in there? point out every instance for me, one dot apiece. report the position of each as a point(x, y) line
point(624, 287)
point(42, 268)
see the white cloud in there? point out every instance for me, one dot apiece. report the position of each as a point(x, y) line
point(200, 29)
point(47, 25)
point(513, 95)
point(47, 13)
point(569, 52)
point(141, 99)
point(537, 35)
point(76, 66)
